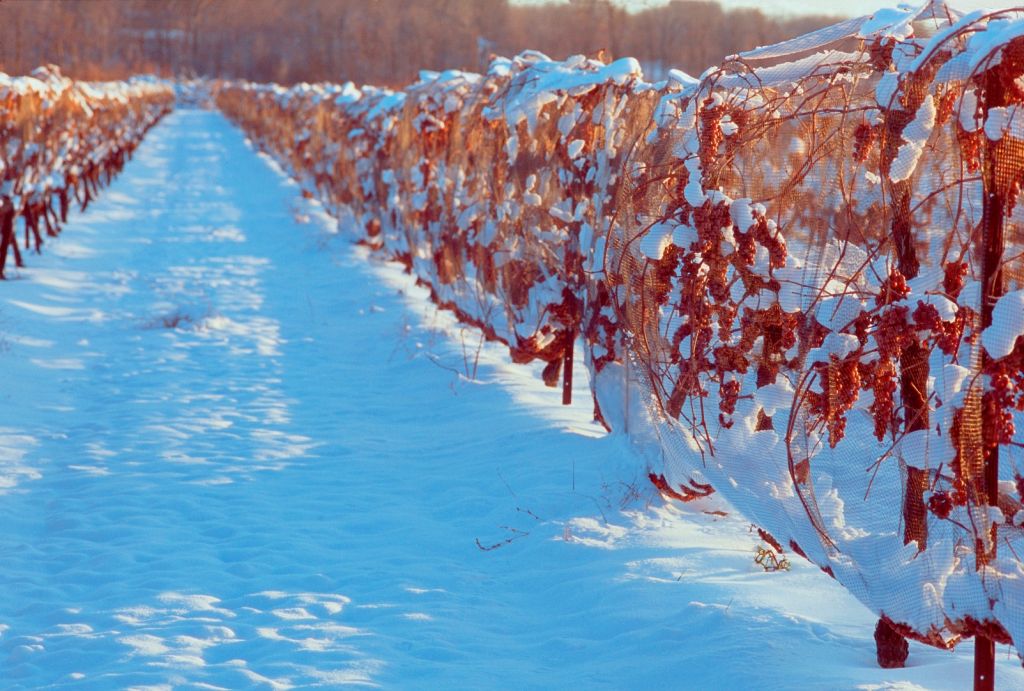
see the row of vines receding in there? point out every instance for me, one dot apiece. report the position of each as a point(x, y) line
point(60, 140)
point(800, 273)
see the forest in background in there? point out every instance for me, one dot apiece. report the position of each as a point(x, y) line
point(384, 42)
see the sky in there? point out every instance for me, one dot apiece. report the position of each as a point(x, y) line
point(830, 7)
point(839, 7)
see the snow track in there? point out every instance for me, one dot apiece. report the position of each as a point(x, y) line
point(234, 454)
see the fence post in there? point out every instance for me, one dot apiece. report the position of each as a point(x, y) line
point(913, 375)
point(992, 288)
point(567, 371)
point(8, 239)
point(913, 370)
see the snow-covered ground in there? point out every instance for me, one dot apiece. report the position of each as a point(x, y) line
point(234, 453)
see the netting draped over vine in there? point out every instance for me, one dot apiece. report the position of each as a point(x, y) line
point(801, 273)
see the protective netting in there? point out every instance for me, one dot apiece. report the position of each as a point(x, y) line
point(59, 141)
point(800, 274)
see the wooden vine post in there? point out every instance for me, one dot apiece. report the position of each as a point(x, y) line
point(891, 646)
point(913, 368)
point(8, 240)
point(567, 371)
point(992, 240)
point(573, 271)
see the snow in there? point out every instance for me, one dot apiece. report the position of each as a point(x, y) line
point(741, 213)
point(984, 46)
point(915, 136)
point(551, 81)
point(891, 22)
point(1007, 326)
point(694, 190)
point(657, 240)
point(774, 397)
point(1004, 121)
point(815, 39)
point(791, 72)
point(285, 489)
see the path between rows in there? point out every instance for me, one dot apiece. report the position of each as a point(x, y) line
point(234, 453)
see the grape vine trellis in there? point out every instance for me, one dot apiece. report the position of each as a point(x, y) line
point(59, 141)
point(800, 274)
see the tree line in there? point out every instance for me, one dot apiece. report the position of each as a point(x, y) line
point(382, 42)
